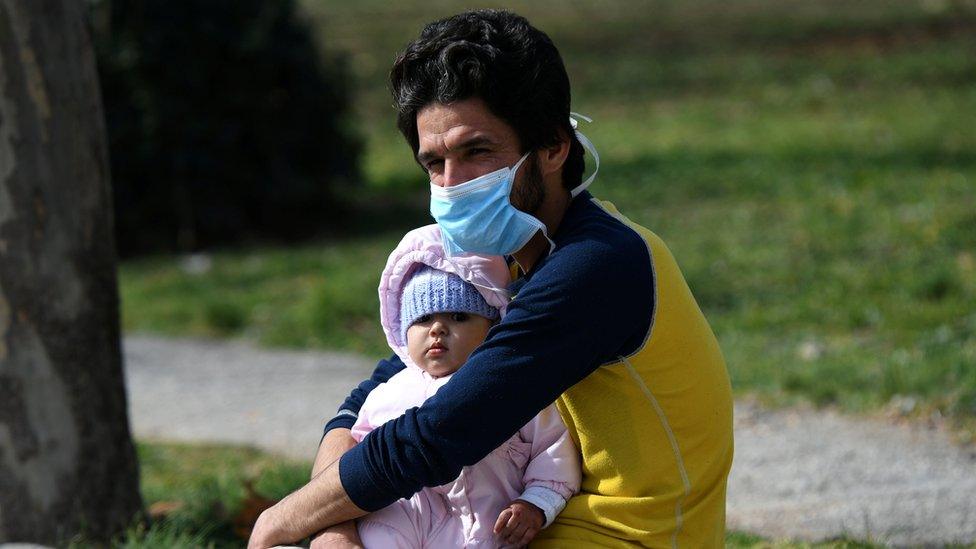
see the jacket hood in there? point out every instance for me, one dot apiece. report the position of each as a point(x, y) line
point(423, 246)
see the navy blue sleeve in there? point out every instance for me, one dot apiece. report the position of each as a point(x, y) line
point(587, 304)
point(349, 410)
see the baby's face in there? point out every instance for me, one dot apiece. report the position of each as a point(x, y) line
point(440, 343)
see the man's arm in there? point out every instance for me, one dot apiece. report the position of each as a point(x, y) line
point(335, 443)
point(318, 504)
point(284, 519)
point(337, 440)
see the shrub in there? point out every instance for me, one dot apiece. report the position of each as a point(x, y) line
point(224, 122)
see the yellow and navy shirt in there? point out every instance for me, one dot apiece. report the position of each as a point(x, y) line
point(607, 328)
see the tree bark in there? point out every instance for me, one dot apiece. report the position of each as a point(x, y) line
point(67, 462)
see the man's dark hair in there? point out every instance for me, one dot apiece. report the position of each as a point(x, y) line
point(496, 56)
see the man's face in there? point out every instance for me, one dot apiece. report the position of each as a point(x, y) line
point(464, 140)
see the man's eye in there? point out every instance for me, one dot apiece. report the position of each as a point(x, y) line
point(433, 165)
point(459, 317)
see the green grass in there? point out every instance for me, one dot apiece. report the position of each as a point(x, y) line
point(811, 165)
point(204, 496)
point(322, 295)
point(208, 482)
point(737, 540)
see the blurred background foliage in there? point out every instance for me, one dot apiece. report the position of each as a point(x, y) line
point(811, 164)
point(226, 123)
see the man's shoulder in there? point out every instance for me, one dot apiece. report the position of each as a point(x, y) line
point(597, 232)
point(596, 253)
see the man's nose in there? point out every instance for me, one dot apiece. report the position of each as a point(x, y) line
point(456, 173)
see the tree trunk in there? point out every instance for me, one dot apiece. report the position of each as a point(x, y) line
point(67, 462)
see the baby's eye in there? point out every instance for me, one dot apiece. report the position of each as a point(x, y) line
point(423, 319)
point(460, 317)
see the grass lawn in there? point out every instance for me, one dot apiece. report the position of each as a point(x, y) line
point(811, 165)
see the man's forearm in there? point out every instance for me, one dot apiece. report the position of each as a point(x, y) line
point(333, 445)
point(319, 504)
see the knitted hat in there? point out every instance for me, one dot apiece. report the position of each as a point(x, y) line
point(432, 291)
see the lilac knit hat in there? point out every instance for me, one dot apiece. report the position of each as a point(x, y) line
point(432, 291)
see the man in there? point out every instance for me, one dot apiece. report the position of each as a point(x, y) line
point(602, 321)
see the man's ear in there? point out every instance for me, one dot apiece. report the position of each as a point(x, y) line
point(552, 158)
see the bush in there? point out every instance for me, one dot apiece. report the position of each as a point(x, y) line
point(224, 123)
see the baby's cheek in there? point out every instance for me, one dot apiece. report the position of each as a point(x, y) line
point(416, 357)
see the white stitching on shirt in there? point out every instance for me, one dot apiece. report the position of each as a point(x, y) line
point(674, 447)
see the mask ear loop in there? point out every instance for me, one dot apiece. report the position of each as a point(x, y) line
point(574, 118)
point(588, 145)
point(500, 291)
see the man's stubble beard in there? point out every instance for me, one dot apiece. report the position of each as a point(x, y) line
point(529, 195)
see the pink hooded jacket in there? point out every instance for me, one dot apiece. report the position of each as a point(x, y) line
point(539, 464)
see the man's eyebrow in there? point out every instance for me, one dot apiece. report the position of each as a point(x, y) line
point(476, 141)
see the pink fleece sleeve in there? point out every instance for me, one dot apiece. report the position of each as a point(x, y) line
point(553, 473)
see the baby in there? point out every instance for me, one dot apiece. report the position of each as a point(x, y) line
point(435, 311)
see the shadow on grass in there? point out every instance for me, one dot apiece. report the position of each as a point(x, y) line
point(687, 174)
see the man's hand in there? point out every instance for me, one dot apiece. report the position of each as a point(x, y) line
point(519, 523)
point(267, 531)
point(312, 508)
point(340, 536)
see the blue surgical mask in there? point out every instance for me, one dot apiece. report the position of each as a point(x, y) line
point(478, 217)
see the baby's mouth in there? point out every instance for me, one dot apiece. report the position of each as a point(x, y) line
point(437, 348)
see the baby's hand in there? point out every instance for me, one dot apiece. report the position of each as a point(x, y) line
point(519, 523)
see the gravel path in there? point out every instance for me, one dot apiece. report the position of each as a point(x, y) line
point(798, 474)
